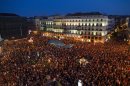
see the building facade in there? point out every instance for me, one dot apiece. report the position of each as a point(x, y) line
point(129, 30)
point(12, 26)
point(93, 28)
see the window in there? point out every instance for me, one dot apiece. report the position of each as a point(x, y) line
point(85, 33)
point(92, 37)
point(100, 38)
point(92, 33)
point(81, 33)
point(88, 33)
point(97, 24)
point(96, 38)
point(96, 33)
point(100, 34)
point(101, 24)
point(100, 30)
point(79, 24)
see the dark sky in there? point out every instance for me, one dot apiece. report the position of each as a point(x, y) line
point(50, 7)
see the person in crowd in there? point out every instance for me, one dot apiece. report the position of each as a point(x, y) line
point(40, 64)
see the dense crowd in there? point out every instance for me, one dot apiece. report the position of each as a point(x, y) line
point(40, 64)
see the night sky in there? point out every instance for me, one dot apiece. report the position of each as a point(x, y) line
point(51, 7)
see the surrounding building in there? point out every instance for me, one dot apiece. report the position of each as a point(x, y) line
point(12, 26)
point(129, 30)
point(93, 28)
point(31, 23)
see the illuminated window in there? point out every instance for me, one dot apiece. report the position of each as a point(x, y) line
point(103, 33)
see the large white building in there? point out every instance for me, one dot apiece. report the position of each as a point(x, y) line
point(128, 30)
point(93, 28)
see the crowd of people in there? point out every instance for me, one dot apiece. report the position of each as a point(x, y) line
point(38, 63)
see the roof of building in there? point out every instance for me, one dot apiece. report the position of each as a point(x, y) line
point(8, 14)
point(84, 14)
